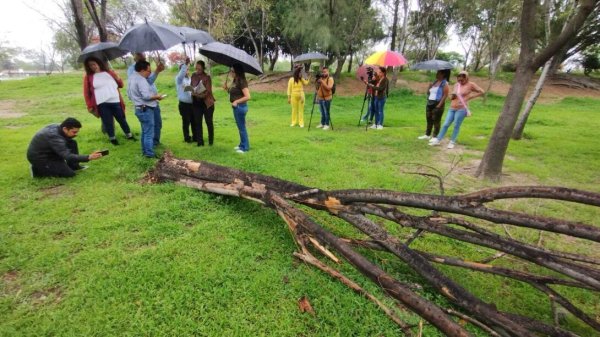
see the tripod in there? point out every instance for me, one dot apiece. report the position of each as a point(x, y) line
point(367, 99)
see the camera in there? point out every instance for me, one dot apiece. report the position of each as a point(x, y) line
point(370, 73)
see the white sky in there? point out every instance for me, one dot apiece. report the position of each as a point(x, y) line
point(22, 26)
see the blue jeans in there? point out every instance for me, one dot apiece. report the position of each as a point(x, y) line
point(456, 116)
point(379, 104)
point(239, 113)
point(146, 119)
point(157, 125)
point(107, 112)
point(324, 107)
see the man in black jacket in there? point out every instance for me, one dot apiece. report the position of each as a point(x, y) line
point(53, 152)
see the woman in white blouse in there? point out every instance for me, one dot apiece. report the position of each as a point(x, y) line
point(102, 97)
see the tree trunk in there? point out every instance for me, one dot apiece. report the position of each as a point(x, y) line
point(79, 22)
point(273, 61)
point(395, 25)
point(493, 74)
point(520, 127)
point(529, 61)
point(99, 20)
point(350, 62)
point(405, 8)
point(493, 158)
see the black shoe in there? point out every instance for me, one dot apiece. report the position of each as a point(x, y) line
point(114, 142)
point(131, 138)
point(188, 140)
point(200, 144)
point(152, 157)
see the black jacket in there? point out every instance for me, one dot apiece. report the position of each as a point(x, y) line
point(50, 144)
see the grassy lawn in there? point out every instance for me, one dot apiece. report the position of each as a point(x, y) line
point(105, 255)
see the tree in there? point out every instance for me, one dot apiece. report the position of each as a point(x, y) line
point(429, 26)
point(529, 61)
point(591, 60)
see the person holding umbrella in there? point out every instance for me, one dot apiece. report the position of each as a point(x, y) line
point(437, 93)
point(295, 95)
point(380, 92)
point(145, 98)
point(182, 80)
point(239, 95)
point(103, 98)
point(151, 78)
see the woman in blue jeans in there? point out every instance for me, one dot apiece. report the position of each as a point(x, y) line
point(239, 95)
point(463, 92)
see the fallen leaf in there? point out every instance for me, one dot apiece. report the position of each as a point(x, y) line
point(305, 306)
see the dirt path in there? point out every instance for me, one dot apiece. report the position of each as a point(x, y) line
point(353, 87)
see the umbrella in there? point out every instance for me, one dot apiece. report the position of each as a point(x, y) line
point(195, 35)
point(362, 73)
point(386, 58)
point(309, 57)
point(433, 65)
point(229, 55)
point(150, 36)
point(103, 50)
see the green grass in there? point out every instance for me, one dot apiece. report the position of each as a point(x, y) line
point(105, 255)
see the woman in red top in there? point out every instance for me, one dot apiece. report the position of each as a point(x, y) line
point(102, 97)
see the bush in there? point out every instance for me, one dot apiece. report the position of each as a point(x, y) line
point(509, 67)
point(590, 62)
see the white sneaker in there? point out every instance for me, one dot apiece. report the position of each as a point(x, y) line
point(432, 139)
point(325, 127)
point(236, 148)
point(292, 125)
point(319, 126)
point(451, 145)
point(301, 125)
point(379, 127)
point(424, 137)
point(240, 151)
point(373, 126)
point(434, 142)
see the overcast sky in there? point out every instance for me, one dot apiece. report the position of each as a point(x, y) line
point(22, 26)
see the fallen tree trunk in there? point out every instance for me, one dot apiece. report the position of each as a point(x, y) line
point(577, 270)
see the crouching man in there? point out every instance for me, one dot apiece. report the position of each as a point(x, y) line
point(53, 152)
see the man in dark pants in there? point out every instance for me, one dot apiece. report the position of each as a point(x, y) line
point(203, 105)
point(182, 81)
point(53, 152)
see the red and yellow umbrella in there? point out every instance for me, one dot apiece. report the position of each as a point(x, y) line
point(386, 58)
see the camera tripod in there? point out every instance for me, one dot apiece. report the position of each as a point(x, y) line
point(368, 98)
point(312, 110)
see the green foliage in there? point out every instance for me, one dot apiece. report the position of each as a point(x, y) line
point(591, 60)
point(104, 254)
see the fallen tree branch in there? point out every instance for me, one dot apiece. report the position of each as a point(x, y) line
point(351, 205)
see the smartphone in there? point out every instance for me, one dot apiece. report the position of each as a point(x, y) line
point(104, 153)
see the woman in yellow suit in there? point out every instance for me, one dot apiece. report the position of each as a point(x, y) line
point(295, 94)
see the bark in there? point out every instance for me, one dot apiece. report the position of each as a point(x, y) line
point(77, 10)
point(99, 20)
point(529, 61)
point(351, 205)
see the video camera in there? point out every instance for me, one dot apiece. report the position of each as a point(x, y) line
point(370, 73)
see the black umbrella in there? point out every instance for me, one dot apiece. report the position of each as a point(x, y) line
point(309, 57)
point(229, 55)
point(433, 65)
point(149, 36)
point(195, 35)
point(103, 50)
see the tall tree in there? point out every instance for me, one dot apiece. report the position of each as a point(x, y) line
point(529, 61)
point(429, 26)
point(98, 16)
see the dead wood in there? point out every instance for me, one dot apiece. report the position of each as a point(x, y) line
point(353, 205)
